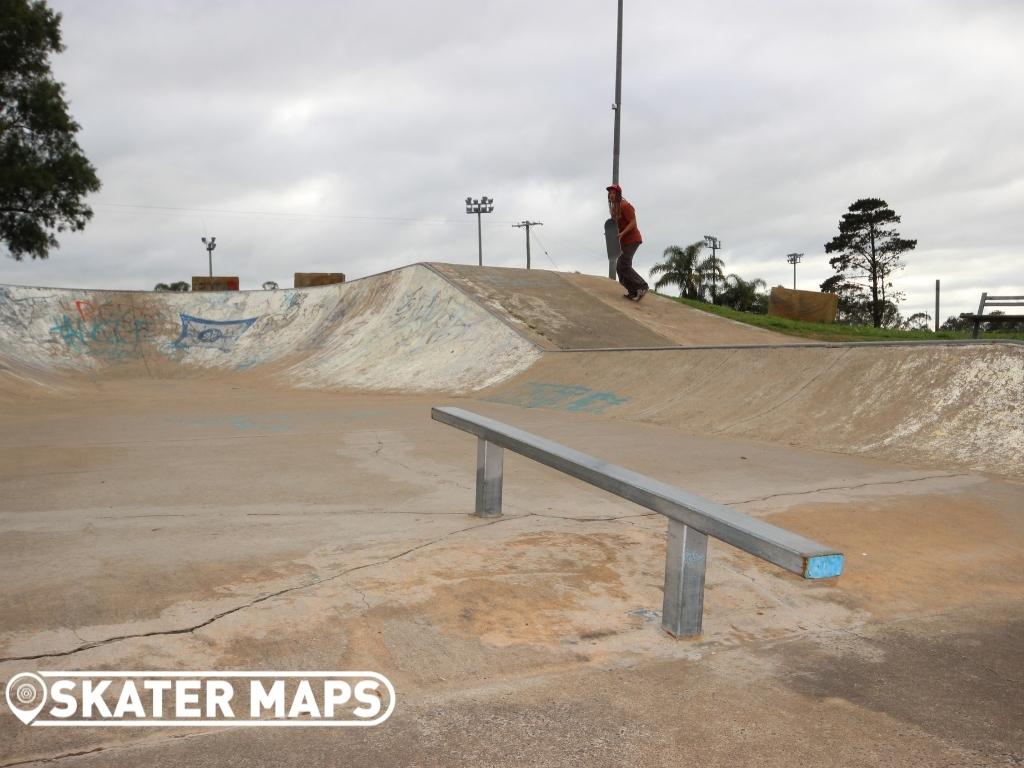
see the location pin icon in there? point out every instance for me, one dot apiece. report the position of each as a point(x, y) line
point(26, 695)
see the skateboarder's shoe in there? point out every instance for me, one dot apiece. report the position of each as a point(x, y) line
point(631, 296)
point(641, 293)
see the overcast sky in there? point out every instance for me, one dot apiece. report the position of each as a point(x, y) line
point(343, 136)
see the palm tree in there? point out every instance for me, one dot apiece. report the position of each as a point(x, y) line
point(680, 268)
point(742, 295)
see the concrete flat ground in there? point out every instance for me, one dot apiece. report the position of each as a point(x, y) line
point(225, 523)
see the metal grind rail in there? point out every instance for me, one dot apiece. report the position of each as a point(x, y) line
point(691, 518)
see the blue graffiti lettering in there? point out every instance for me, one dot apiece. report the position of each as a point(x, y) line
point(535, 394)
point(211, 334)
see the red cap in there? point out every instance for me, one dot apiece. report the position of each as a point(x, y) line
point(615, 188)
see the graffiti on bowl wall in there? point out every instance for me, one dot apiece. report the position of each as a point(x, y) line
point(198, 332)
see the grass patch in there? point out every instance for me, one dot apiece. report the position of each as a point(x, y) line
point(835, 332)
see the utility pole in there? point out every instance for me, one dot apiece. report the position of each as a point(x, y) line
point(483, 205)
point(527, 225)
point(210, 245)
point(794, 259)
point(936, 305)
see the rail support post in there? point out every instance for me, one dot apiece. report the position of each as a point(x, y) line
point(489, 471)
point(683, 607)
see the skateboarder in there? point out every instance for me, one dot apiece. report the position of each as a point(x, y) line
point(624, 216)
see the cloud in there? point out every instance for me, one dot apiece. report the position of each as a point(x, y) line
point(311, 135)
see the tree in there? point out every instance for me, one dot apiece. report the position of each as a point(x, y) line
point(919, 321)
point(1001, 325)
point(855, 306)
point(853, 303)
point(868, 249)
point(955, 323)
point(180, 286)
point(744, 295)
point(681, 268)
point(44, 175)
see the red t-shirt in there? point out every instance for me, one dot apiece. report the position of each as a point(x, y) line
point(627, 214)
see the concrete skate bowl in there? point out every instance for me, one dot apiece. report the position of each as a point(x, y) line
point(535, 339)
point(407, 330)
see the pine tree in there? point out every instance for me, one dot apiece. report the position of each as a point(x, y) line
point(868, 249)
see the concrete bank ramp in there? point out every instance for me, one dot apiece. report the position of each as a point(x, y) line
point(957, 405)
point(408, 330)
point(561, 311)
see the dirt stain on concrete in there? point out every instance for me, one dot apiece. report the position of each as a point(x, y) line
point(538, 587)
point(958, 678)
point(919, 553)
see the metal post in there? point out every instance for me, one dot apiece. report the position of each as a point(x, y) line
point(483, 205)
point(617, 106)
point(479, 240)
point(683, 608)
point(714, 244)
point(210, 245)
point(489, 471)
point(794, 259)
point(936, 306)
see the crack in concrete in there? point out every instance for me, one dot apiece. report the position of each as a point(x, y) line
point(814, 633)
point(260, 599)
point(54, 758)
point(113, 748)
point(848, 487)
point(591, 519)
point(362, 594)
point(137, 517)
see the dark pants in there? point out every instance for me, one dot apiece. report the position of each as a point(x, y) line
point(628, 276)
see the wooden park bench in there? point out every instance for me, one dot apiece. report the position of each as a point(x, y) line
point(993, 301)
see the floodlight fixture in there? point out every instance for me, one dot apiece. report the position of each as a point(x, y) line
point(210, 245)
point(483, 205)
point(794, 259)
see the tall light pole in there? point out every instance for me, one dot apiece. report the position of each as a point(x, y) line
point(714, 244)
point(210, 245)
point(527, 225)
point(794, 259)
point(483, 205)
point(617, 106)
point(611, 226)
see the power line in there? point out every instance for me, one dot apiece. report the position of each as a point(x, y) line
point(557, 268)
point(328, 217)
point(580, 251)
